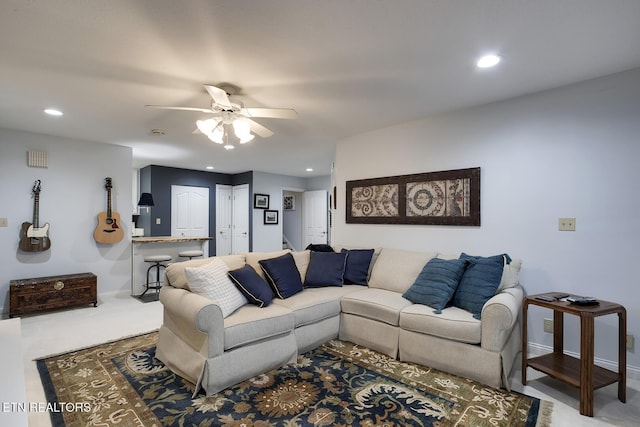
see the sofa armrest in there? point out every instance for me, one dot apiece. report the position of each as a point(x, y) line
point(190, 315)
point(499, 316)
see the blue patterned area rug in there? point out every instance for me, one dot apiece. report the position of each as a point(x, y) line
point(338, 384)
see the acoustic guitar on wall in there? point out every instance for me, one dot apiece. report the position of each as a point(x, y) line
point(108, 229)
point(34, 238)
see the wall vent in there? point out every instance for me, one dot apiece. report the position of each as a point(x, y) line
point(38, 159)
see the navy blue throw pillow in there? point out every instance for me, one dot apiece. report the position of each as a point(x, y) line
point(479, 282)
point(282, 275)
point(356, 270)
point(252, 286)
point(325, 269)
point(436, 283)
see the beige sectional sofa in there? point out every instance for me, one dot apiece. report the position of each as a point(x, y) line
point(215, 352)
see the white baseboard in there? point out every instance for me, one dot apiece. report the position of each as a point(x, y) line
point(534, 349)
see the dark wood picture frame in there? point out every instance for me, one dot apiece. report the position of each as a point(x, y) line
point(434, 198)
point(270, 217)
point(261, 201)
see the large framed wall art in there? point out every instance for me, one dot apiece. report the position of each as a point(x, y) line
point(434, 198)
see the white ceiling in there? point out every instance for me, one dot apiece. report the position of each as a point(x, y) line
point(346, 67)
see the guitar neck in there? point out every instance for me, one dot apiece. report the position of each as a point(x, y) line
point(109, 203)
point(36, 208)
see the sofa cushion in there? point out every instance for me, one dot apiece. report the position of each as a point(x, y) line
point(325, 269)
point(252, 286)
point(356, 270)
point(282, 275)
point(301, 259)
point(252, 324)
point(178, 279)
point(396, 270)
point(211, 280)
point(377, 304)
point(315, 304)
point(436, 283)
point(479, 282)
point(453, 323)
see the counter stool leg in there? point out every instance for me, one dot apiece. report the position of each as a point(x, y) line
point(158, 285)
point(146, 285)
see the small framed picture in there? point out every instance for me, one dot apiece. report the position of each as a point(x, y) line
point(261, 201)
point(270, 217)
point(289, 203)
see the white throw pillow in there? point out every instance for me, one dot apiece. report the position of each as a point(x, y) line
point(211, 281)
point(510, 275)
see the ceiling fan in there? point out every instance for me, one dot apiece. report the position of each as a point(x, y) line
point(226, 112)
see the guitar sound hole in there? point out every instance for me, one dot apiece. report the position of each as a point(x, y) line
point(109, 221)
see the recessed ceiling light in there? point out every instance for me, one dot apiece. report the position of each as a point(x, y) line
point(309, 169)
point(53, 112)
point(488, 61)
point(210, 168)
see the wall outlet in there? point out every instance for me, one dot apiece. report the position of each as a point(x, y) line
point(4, 222)
point(158, 221)
point(567, 224)
point(629, 341)
point(548, 325)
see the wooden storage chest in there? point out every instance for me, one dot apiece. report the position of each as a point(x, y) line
point(46, 293)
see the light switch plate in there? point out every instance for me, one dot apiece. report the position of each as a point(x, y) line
point(4, 222)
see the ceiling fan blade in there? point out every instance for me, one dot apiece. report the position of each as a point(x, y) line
point(219, 96)
point(271, 113)
point(258, 129)
point(201, 110)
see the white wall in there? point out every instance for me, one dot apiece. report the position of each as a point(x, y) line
point(569, 152)
point(72, 195)
point(269, 237)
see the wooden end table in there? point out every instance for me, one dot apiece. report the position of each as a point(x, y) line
point(580, 373)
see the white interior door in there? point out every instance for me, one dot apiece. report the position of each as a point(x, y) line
point(224, 219)
point(189, 211)
point(315, 217)
point(240, 219)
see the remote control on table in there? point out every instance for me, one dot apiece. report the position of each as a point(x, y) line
point(545, 298)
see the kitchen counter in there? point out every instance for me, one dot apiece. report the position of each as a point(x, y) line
point(169, 239)
point(160, 245)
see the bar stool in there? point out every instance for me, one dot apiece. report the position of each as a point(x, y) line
point(156, 261)
point(190, 254)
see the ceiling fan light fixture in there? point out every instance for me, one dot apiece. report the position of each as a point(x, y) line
point(206, 126)
point(217, 135)
point(241, 128)
point(246, 138)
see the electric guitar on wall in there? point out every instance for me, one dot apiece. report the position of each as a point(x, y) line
point(34, 238)
point(108, 229)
